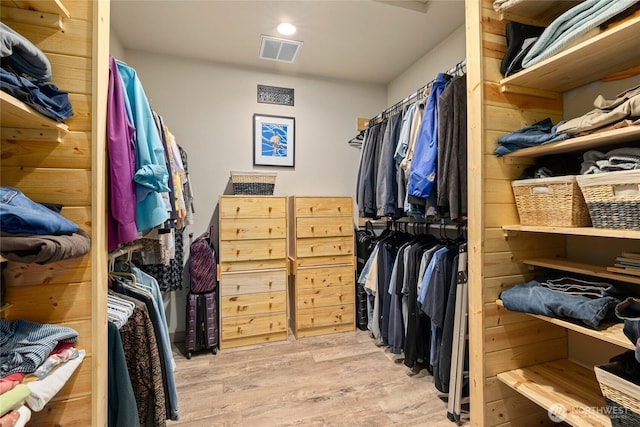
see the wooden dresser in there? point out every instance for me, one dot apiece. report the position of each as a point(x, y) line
point(253, 270)
point(321, 251)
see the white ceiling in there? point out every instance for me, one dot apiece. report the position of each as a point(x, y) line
point(361, 40)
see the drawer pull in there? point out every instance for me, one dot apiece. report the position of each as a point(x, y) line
point(270, 209)
point(270, 250)
point(339, 209)
point(237, 231)
point(270, 230)
point(237, 209)
point(270, 283)
point(270, 305)
point(237, 252)
point(237, 287)
point(340, 228)
point(339, 278)
point(312, 229)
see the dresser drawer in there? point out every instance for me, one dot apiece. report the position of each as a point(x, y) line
point(324, 246)
point(323, 206)
point(246, 326)
point(253, 228)
point(249, 304)
point(325, 227)
point(232, 284)
point(251, 250)
point(328, 316)
point(324, 297)
point(321, 277)
point(253, 207)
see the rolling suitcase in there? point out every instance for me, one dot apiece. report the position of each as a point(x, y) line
point(202, 323)
point(202, 303)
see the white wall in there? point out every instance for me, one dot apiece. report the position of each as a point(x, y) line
point(209, 109)
point(444, 56)
point(115, 46)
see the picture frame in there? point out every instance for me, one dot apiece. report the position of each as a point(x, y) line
point(273, 140)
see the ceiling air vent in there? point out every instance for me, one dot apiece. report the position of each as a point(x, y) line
point(275, 49)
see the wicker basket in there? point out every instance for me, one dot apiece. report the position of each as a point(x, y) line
point(621, 397)
point(253, 183)
point(613, 199)
point(555, 201)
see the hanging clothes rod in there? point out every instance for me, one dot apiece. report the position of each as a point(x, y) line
point(124, 251)
point(389, 223)
point(417, 95)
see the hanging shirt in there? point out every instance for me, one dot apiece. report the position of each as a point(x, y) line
point(151, 174)
point(121, 216)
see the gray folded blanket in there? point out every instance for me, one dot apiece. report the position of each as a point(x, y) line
point(615, 160)
point(572, 24)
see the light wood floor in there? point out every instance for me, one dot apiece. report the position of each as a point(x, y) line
point(332, 380)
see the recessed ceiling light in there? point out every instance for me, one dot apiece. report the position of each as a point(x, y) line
point(286, 29)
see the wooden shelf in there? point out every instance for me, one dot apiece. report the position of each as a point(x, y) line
point(540, 13)
point(575, 231)
point(572, 266)
point(611, 332)
point(613, 50)
point(582, 143)
point(565, 383)
point(17, 114)
point(49, 6)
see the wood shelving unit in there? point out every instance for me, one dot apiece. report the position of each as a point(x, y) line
point(565, 383)
point(611, 333)
point(540, 13)
point(17, 114)
point(574, 231)
point(615, 49)
point(534, 370)
point(572, 266)
point(55, 7)
point(583, 143)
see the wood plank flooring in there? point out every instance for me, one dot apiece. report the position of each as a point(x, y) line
point(332, 380)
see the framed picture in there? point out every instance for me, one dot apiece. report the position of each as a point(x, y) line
point(273, 140)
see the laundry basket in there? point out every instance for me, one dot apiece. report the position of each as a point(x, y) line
point(253, 183)
point(621, 396)
point(613, 199)
point(554, 201)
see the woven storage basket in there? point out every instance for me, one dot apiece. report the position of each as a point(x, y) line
point(555, 201)
point(253, 183)
point(613, 199)
point(621, 397)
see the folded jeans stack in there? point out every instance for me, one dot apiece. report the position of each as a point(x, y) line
point(564, 297)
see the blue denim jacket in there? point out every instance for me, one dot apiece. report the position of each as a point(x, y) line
point(19, 214)
point(532, 298)
point(542, 132)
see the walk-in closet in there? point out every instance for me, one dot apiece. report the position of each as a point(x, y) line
point(322, 213)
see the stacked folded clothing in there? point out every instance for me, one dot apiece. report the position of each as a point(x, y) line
point(564, 297)
point(619, 159)
point(34, 233)
point(26, 73)
point(572, 25)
